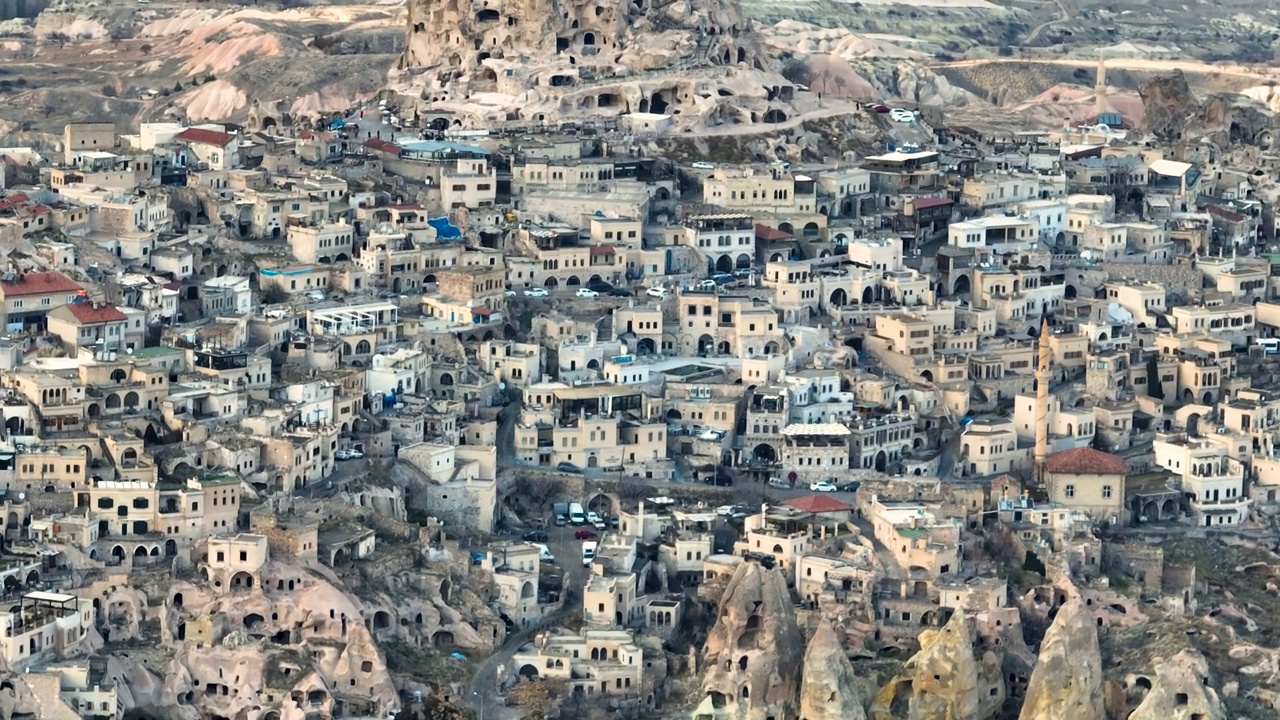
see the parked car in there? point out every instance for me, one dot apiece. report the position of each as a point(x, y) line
point(510, 292)
point(600, 286)
point(744, 273)
point(585, 534)
point(704, 166)
point(535, 536)
point(568, 467)
point(722, 278)
point(707, 284)
point(348, 454)
point(658, 292)
point(587, 293)
point(879, 108)
point(536, 292)
point(851, 486)
point(823, 486)
point(561, 521)
point(620, 292)
point(724, 510)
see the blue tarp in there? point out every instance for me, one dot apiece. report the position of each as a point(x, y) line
point(444, 229)
point(337, 124)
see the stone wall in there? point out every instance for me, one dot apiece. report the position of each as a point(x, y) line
point(1180, 277)
point(1143, 563)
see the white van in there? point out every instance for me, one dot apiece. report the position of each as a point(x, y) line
point(777, 482)
point(1271, 345)
point(588, 552)
point(544, 553)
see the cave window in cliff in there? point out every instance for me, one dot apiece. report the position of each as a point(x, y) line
point(588, 38)
point(775, 116)
point(742, 54)
point(488, 75)
point(381, 620)
point(241, 580)
point(488, 15)
point(442, 639)
point(419, 27)
point(745, 692)
point(658, 104)
point(315, 697)
point(562, 44)
point(252, 621)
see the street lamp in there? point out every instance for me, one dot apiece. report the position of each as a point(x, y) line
point(481, 699)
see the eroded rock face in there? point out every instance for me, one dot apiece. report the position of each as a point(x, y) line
point(1067, 679)
point(1180, 693)
point(1168, 102)
point(753, 654)
point(944, 681)
point(540, 61)
point(829, 690)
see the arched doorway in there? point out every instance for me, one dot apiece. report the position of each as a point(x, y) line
point(882, 461)
point(839, 298)
point(961, 286)
point(724, 264)
point(765, 453)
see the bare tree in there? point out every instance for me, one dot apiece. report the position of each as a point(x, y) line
point(538, 491)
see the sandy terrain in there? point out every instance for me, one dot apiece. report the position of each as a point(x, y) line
point(803, 38)
point(1076, 104)
point(215, 100)
point(1140, 64)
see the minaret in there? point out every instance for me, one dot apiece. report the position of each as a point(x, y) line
point(1100, 87)
point(1042, 403)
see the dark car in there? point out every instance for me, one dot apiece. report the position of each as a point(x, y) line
point(620, 292)
point(535, 536)
point(723, 278)
point(600, 286)
point(568, 467)
point(585, 534)
point(719, 480)
point(881, 109)
point(850, 486)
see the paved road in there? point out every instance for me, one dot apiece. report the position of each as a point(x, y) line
point(483, 692)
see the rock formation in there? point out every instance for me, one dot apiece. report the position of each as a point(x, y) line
point(1167, 103)
point(944, 681)
point(753, 654)
point(1067, 680)
point(479, 62)
point(1181, 692)
point(829, 690)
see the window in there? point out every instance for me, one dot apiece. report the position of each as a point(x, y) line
point(1106, 491)
point(17, 304)
point(1070, 491)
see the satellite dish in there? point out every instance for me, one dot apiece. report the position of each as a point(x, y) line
point(1103, 128)
point(1086, 255)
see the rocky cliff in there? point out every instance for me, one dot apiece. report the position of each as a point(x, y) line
point(1168, 102)
point(946, 680)
point(753, 655)
point(829, 689)
point(1067, 680)
point(1181, 692)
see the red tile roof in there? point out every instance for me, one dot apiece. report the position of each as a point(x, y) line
point(207, 137)
point(40, 283)
point(926, 203)
point(1086, 461)
point(383, 145)
point(602, 250)
point(89, 315)
point(818, 504)
point(768, 234)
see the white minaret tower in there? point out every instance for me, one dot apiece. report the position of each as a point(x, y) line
point(1100, 87)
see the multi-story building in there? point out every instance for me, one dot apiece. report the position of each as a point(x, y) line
point(1212, 480)
point(27, 298)
point(726, 240)
point(990, 446)
point(42, 626)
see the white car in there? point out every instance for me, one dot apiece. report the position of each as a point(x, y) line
point(536, 292)
point(511, 293)
point(658, 292)
point(725, 510)
point(348, 454)
point(587, 293)
point(823, 486)
point(703, 166)
point(902, 116)
point(707, 284)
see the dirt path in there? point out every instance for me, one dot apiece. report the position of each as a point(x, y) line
point(1063, 16)
point(1140, 64)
